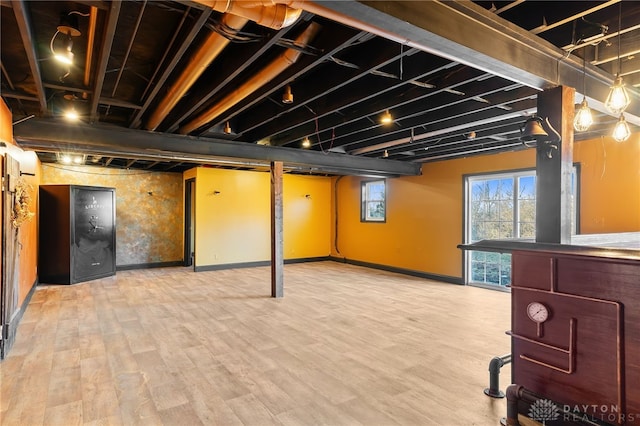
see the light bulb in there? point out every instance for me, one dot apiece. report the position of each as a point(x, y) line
point(583, 119)
point(621, 131)
point(227, 128)
point(618, 99)
point(71, 115)
point(306, 143)
point(65, 58)
point(77, 159)
point(66, 159)
point(386, 118)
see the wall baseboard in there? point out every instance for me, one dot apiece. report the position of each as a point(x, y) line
point(149, 265)
point(9, 330)
point(411, 272)
point(239, 265)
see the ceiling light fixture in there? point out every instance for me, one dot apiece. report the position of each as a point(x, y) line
point(618, 99)
point(583, 119)
point(67, 56)
point(71, 115)
point(306, 143)
point(621, 131)
point(287, 96)
point(69, 27)
point(386, 118)
point(227, 128)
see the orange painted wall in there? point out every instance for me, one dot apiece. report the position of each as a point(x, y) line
point(610, 198)
point(307, 220)
point(27, 233)
point(233, 225)
point(425, 213)
point(6, 128)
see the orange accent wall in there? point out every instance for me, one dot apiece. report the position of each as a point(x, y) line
point(425, 213)
point(610, 197)
point(233, 216)
point(6, 129)
point(307, 220)
point(28, 232)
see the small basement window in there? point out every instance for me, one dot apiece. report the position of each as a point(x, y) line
point(374, 197)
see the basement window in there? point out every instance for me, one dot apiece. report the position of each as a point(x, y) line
point(374, 198)
point(503, 206)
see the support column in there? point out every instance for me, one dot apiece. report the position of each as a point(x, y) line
point(553, 189)
point(277, 259)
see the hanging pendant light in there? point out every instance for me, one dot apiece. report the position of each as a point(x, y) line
point(583, 118)
point(618, 99)
point(621, 131)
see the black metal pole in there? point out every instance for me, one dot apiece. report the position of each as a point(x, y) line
point(494, 375)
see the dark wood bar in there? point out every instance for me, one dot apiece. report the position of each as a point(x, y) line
point(575, 327)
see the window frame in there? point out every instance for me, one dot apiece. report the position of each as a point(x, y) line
point(514, 174)
point(364, 201)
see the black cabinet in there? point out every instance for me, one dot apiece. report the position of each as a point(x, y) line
point(77, 233)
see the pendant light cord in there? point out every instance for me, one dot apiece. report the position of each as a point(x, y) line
point(584, 75)
point(619, 36)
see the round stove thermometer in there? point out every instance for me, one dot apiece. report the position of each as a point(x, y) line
point(538, 313)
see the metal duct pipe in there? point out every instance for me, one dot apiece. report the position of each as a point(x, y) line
point(271, 14)
point(282, 62)
point(318, 9)
point(209, 50)
point(93, 19)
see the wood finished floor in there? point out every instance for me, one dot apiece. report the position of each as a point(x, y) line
point(346, 346)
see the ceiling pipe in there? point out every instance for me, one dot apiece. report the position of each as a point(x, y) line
point(282, 62)
point(209, 50)
point(272, 14)
point(91, 36)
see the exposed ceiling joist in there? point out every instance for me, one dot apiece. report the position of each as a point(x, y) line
point(24, 25)
point(168, 69)
point(112, 21)
point(40, 134)
point(465, 32)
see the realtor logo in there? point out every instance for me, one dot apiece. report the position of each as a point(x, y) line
point(544, 410)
